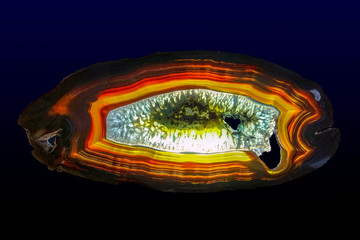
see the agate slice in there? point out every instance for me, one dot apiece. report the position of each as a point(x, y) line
point(163, 121)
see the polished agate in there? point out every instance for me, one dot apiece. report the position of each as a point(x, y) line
point(164, 121)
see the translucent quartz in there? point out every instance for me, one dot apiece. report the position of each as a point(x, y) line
point(193, 121)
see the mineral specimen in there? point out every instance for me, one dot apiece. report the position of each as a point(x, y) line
point(162, 121)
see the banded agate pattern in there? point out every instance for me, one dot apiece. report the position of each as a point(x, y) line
point(162, 121)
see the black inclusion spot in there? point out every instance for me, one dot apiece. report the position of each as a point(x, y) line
point(272, 158)
point(233, 122)
point(51, 141)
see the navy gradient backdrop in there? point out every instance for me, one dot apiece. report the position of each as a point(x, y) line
point(43, 42)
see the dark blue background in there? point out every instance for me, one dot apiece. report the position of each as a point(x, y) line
point(43, 42)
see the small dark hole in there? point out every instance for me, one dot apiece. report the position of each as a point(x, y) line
point(272, 158)
point(233, 122)
point(51, 141)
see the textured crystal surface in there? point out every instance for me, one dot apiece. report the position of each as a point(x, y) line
point(193, 121)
